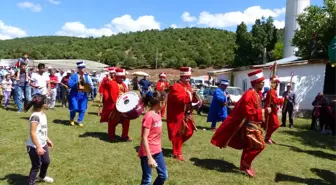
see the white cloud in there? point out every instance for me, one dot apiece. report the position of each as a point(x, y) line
point(234, 18)
point(279, 24)
point(54, 2)
point(78, 29)
point(173, 26)
point(10, 32)
point(29, 5)
point(126, 23)
point(122, 24)
point(186, 17)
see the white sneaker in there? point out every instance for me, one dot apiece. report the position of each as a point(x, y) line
point(46, 179)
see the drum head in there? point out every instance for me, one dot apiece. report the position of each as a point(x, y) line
point(127, 102)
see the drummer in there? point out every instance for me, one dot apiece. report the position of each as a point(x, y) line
point(117, 88)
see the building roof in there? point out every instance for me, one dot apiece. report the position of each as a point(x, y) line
point(221, 71)
point(60, 63)
point(284, 61)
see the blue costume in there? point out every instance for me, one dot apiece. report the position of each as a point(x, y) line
point(218, 111)
point(78, 100)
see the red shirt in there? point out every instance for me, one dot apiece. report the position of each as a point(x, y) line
point(53, 78)
point(65, 80)
point(153, 122)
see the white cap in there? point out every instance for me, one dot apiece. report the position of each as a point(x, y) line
point(49, 67)
point(68, 71)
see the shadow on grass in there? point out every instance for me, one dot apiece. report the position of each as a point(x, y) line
point(93, 113)
point(315, 153)
point(11, 109)
point(24, 118)
point(311, 138)
point(327, 178)
point(63, 122)
point(102, 136)
point(166, 152)
point(15, 179)
point(215, 164)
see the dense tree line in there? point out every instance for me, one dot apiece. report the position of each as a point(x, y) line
point(317, 28)
point(201, 47)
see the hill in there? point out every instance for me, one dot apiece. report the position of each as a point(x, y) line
point(176, 47)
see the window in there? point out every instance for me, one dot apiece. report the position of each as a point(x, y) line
point(206, 91)
point(235, 91)
point(244, 85)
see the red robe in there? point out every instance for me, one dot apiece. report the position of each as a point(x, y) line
point(161, 86)
point(110, 90)
point(241, 129)
point(271, 119)
point(179, 99)
point(230, 131)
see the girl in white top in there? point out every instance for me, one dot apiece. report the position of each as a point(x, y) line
point(7, 87)
point(38, 142)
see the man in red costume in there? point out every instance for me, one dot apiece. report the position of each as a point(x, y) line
point(271, 110)
point(162, 86)
point(179, 116)
point(104, 85)
point(241, 129)
point(112, 90)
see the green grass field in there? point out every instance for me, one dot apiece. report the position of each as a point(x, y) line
point(84, 156)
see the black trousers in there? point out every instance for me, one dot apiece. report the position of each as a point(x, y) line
point(39, 163)
point(314, 119)
point(289, 110)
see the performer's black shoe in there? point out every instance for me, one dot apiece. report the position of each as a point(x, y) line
point(283, 125)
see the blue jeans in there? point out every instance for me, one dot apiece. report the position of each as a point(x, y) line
point(19, 91)
point(94, 92)
point(147, 171)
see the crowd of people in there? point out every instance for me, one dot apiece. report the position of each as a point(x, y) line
point(241, 129)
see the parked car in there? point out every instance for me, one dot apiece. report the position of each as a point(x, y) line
point(235, 94)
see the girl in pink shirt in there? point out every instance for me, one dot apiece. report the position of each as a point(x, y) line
point(150, 151)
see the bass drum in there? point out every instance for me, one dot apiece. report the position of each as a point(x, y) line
point(130, 105)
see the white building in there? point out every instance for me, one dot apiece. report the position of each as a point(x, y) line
point(308, 79)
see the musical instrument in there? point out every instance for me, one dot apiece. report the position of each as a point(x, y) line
point(83, 86)
point(130, 105)
point(196, 101)
point(188, 114)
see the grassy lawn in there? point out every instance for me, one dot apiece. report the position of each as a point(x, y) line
point(84, 156)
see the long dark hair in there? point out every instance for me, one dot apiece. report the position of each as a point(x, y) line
point(37, 102)
point(152, 100)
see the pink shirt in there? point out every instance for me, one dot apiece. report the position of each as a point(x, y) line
point(153, 122)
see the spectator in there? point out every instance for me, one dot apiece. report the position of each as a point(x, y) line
point(65, 88)
point(40, 81)
point(53, 88)
point(290, 103)
point(144, 86)
point(316, 110)
point(6, 86)
point(22, 89)
point(95, 82)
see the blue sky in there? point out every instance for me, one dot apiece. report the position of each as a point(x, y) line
point(83, 18)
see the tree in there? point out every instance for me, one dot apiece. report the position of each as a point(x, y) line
point(316, 22)
point(278, 51)
point(244, 45)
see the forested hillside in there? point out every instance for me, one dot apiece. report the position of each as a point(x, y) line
point(201, 47)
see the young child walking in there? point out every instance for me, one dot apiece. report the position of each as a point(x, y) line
point(150, 151)
point(38, 141)
point(7, 87)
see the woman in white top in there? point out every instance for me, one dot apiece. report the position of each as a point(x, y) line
point(38, 141)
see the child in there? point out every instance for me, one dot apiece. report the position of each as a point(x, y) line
point(7, 87)
point(150, 151)
point(38, 141)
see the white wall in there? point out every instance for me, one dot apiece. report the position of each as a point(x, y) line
point(308, 81)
